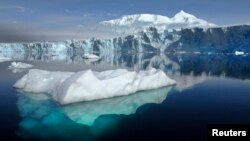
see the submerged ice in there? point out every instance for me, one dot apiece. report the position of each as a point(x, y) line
point(88, 112)
point(82, 119)
point(69, 87)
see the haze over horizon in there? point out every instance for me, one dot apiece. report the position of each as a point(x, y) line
point(31, 20)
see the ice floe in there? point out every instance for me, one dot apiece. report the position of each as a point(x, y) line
point(239, 53)
point(90, 56)
point(19, 66)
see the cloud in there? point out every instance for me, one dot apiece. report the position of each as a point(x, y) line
point(111, 14)
point(67, 11)
point(16, 7)
point(20, 8)
point(32, 32)
point(54, 27)
point(132, 5)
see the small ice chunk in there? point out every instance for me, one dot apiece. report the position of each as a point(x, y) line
point(90, 56)
point(19, 65)
point(197, 52)
point(89, 85)
point(239, 53)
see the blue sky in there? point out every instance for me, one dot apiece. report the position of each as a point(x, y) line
point(58, 14)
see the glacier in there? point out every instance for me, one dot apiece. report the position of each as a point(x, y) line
point(3, 59)
point(150, 40)
point(69, 87)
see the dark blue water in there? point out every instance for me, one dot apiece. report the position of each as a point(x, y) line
point(210, 89)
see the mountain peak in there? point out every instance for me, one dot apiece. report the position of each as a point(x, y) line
point(183, 13)
point(183, 16)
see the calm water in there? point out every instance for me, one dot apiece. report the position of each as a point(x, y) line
point(210, 89)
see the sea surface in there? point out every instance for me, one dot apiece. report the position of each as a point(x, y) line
point(210, 89)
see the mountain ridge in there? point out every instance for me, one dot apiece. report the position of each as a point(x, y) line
point(141, 21)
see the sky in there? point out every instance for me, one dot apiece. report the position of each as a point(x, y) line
point(24, 20)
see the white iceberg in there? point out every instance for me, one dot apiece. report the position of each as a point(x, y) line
point(68, 87)
point(239, 53)
point(19, 67)
point(40, 81)
point(90, 56)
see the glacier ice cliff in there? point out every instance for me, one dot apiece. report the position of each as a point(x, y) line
point(3, 59)
point(151, 40)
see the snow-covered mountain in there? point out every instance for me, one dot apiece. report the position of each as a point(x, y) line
point(130, 20)
point(141, 21)
point(186, 20)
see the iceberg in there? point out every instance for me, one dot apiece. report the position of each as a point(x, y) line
point(19, 65)
point(239, 53)
point(90, 56)
point(69, 87)
point(40, 81)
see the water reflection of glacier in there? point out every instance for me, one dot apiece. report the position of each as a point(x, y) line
point(187, 69)
point(39, 112)
point(211, 64)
